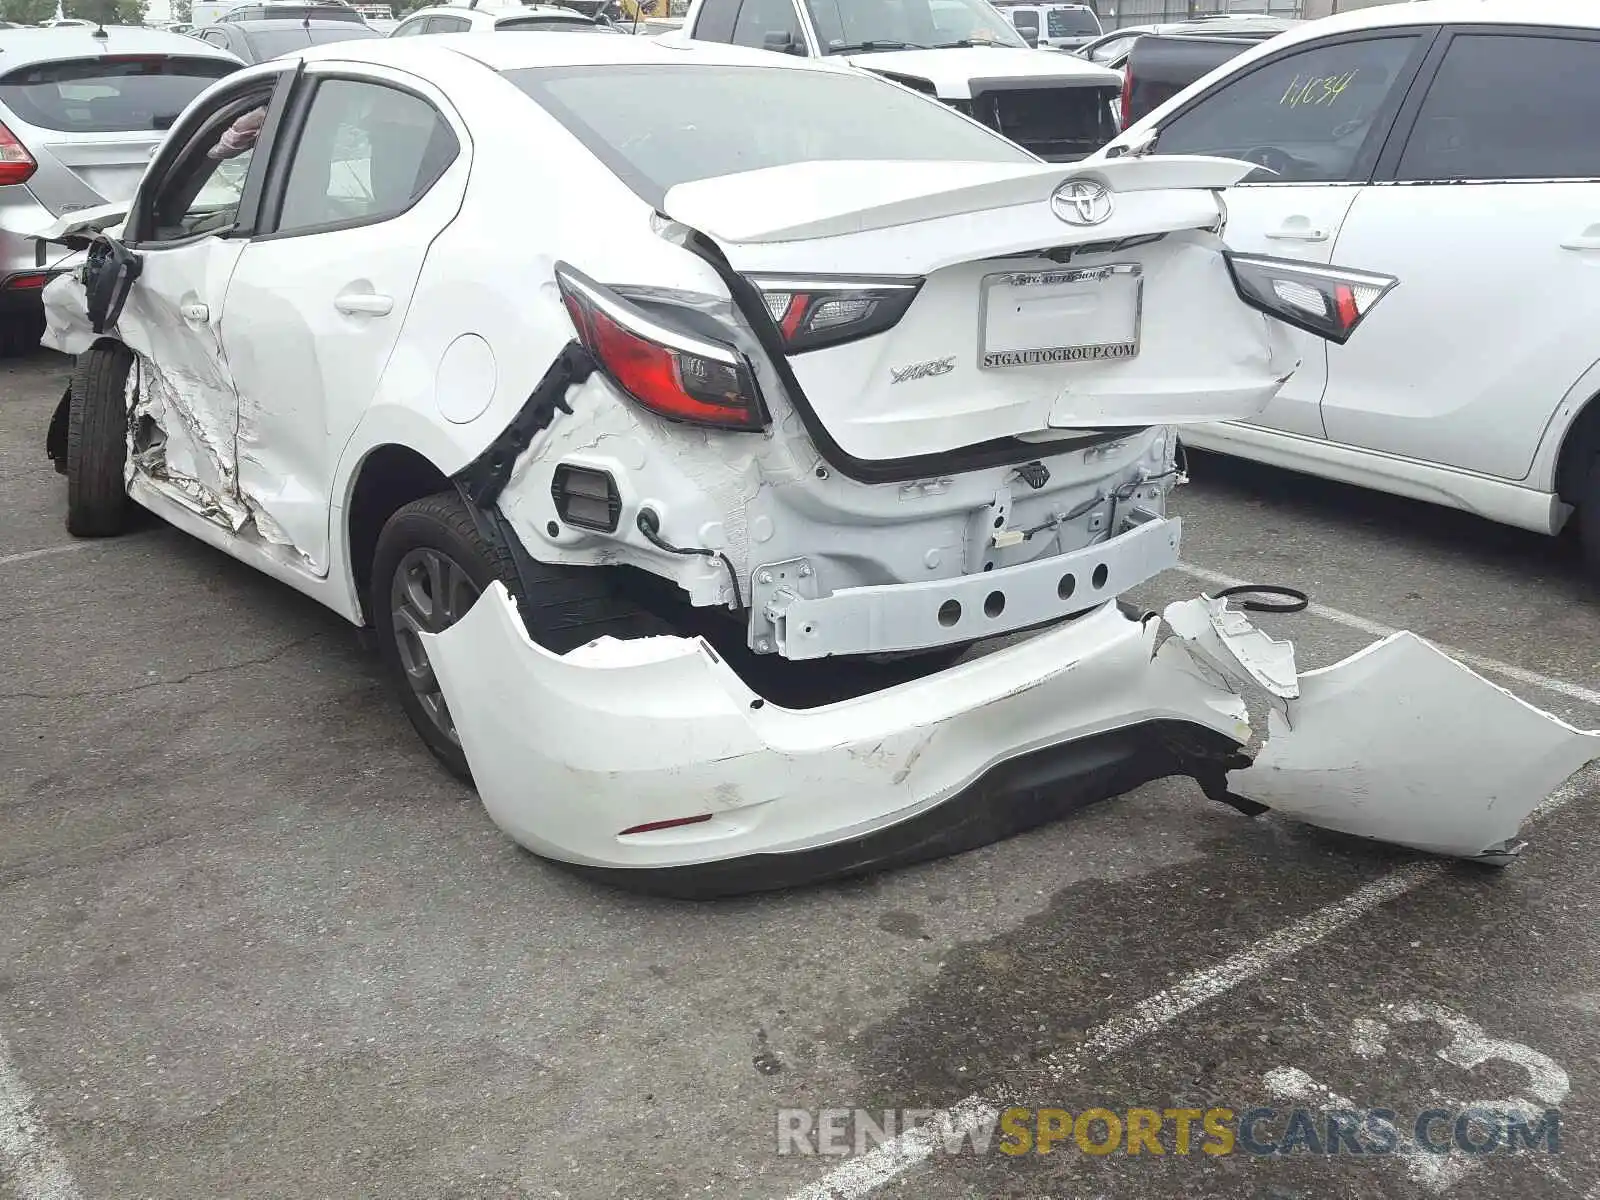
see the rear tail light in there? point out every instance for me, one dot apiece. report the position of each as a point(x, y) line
point(812, 313)
point(31, 281)
point(1127, 96)
point(16, 164)
point(672, 373)
point(1327, 301)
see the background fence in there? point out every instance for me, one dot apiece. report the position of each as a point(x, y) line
point(1116, 13)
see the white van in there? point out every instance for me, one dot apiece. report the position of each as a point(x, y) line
point(1055, 26)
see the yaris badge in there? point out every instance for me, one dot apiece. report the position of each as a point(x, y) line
point(1081, 202)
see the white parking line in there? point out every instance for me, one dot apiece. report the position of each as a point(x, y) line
point(1478, 662)
point(863, 1175)
point(27, 1154)
point(27, 554)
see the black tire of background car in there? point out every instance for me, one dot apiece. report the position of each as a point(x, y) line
point(20, 335)
point(97, 442)
point(568, 606)
point(1589, 521)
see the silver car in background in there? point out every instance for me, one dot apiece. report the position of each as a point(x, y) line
point(82, 109)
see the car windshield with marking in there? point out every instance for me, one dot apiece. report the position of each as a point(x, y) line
point(660, 125)
point(844, 27)
point(110, 94)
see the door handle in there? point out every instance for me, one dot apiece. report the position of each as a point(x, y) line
point(1588, 241)
point(198, 313)
point(1288, 232)
point(365, 304)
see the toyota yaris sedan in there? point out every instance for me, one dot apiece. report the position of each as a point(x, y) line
point(689, 458)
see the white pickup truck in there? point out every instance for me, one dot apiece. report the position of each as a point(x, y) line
point(964, 52)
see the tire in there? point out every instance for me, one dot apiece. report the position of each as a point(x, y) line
point(419, 546)
point(97, 442)
point(1589, 521)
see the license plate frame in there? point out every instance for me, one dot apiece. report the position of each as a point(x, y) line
point(1100, 348)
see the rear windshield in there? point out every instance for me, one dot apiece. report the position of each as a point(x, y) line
point(1069, 22)
point(290, 12)
point(660, 125)
point(269, 43)
point(547, 25)
point(109, 94)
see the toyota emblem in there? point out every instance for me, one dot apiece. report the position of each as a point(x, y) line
point(1081, 202)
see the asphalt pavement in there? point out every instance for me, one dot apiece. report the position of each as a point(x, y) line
point(254, 942)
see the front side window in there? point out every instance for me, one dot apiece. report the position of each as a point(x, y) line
point(202, 192)
point(659, 125)
point(849, 27)
point(768, 25)
point(1509, 106)
point(715, 22)
point(1026, 21)
point(1303, 117)
point(109, 95)
point(367, 153)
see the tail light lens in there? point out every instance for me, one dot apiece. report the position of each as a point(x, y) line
point(16, 164)
point(812, 313)
point(1327, 301)
point(672, 373)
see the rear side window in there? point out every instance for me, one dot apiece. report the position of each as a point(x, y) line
point(448, 24)
point(1304, 117)
point(367, 153)
point(657, 126)
point(110, 94)
point(1509, 107)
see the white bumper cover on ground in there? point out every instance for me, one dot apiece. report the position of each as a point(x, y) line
point(1398, 742)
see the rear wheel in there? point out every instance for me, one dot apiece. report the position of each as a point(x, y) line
point(431, 565)
point(97, 442)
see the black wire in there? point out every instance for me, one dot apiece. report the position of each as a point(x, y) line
point(1298, 600)
point(649, 525)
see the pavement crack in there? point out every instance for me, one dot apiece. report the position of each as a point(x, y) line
point(198, 673)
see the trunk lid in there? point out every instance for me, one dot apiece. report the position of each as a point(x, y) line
point(1027, 323)
point(89, 170)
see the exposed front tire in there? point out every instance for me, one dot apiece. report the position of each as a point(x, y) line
point(1589, 520)
point(430, 566)
point(97, 442)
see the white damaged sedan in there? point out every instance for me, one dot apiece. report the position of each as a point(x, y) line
point(690, 423)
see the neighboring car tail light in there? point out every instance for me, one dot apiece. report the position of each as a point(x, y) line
point(672, 373)
point(812, 313)
point(1327, 301)
point(16, 164)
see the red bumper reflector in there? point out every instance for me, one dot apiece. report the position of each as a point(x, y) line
point(19, 282)
point(650, 826)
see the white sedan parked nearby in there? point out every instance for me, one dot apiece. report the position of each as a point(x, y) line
point(545, 355)
point(1450, 143)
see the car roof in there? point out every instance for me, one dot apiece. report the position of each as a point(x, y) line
point(1581, 14)
point(557, 50)
point(21, 47)
point(499, 10)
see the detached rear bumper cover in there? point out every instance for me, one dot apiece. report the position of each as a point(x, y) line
point(1398, 742)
